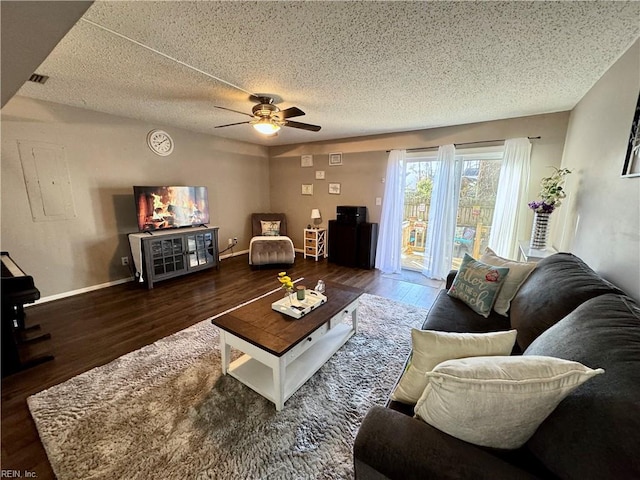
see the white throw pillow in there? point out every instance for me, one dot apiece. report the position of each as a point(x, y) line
point(518, 273)
point(270, 228)
point(431, 347)
point(497, 401)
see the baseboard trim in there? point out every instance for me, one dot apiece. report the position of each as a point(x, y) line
point(235, 254)
point(71, 293)
point(113, 283)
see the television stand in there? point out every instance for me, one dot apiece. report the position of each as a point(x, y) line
point(171, 253)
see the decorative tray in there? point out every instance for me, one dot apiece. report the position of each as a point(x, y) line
point(295, 308)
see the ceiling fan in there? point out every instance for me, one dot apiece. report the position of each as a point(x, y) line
point(267, 118)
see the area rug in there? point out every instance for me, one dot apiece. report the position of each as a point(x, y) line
point(166, 411)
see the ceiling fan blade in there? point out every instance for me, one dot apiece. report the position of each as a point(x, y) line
point(232, 110)
point(230, 124)
point(290, 112)
point(303, 126)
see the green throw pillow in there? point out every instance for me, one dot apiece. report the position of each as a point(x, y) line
point(477, 284)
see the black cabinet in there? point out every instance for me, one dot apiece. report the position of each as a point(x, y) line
point(353, 245)
point(173, 253)
point(343, 243)
point(367, 242)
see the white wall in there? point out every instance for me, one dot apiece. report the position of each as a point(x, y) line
point(601, 218)
point(106, 156)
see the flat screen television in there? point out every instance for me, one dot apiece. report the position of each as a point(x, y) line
point(160, 208)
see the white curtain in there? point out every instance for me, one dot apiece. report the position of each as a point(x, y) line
point(442, 214)
point(388, 254)
point(511, 202)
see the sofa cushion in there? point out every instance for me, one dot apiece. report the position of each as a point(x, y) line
point(554, 289)
point(497, 402)
point(595, 431)
point(448, 314)
point(518, 273)
point(390, 445)
point(429, 348)
point(477, 284)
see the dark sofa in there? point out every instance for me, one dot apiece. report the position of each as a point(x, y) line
point(564, 310)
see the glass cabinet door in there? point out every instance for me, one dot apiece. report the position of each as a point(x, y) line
point(167, 256)
point(200, 249)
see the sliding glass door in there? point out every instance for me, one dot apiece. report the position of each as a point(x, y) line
point(480, 172)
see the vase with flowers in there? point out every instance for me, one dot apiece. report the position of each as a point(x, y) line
point(551, 196)
point(287, 284)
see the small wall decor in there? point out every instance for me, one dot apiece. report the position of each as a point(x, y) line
point(335, 159)
point(306, 161)
point(334, 188)
point(631, 166)
point(319, 174)
point(307, 189)
point(160, 142)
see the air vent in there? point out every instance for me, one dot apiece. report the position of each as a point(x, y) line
point(37, 78)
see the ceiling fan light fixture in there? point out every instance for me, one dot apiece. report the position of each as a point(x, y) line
point(266, 126)
point(268, 119)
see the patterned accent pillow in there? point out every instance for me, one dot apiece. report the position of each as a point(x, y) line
point(270, 228)
point(477, 284)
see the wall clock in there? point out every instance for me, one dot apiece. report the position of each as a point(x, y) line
point(160, 142)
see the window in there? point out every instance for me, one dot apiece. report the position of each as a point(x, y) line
point(480, 172)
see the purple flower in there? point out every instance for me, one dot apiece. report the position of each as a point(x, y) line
point(541, 206)
point(552, 192)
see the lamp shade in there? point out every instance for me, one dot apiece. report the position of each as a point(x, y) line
point(315, 213)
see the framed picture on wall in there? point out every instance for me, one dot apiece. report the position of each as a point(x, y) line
point(335, 159)
point(334, 188)
point(306, 161)
point(307, 189)
point(631, 166)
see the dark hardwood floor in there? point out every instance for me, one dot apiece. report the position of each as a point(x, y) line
point(95, 328)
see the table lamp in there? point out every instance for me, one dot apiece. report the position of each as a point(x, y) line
point(316, 217)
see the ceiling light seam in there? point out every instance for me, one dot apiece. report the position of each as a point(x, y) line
point(113, 32)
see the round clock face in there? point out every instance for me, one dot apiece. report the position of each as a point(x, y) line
point(160, 142)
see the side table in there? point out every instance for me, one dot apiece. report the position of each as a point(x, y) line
point(315, 243)
point(529, 254)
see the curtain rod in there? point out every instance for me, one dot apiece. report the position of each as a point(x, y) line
point(421, 149)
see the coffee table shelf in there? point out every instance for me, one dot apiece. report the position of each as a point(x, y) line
point(259, 377)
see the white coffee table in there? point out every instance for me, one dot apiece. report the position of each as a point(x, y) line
point(281, 353)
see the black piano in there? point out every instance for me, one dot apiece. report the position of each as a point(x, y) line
point(18, 290)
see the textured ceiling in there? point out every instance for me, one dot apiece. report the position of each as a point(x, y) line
point(355, 68)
